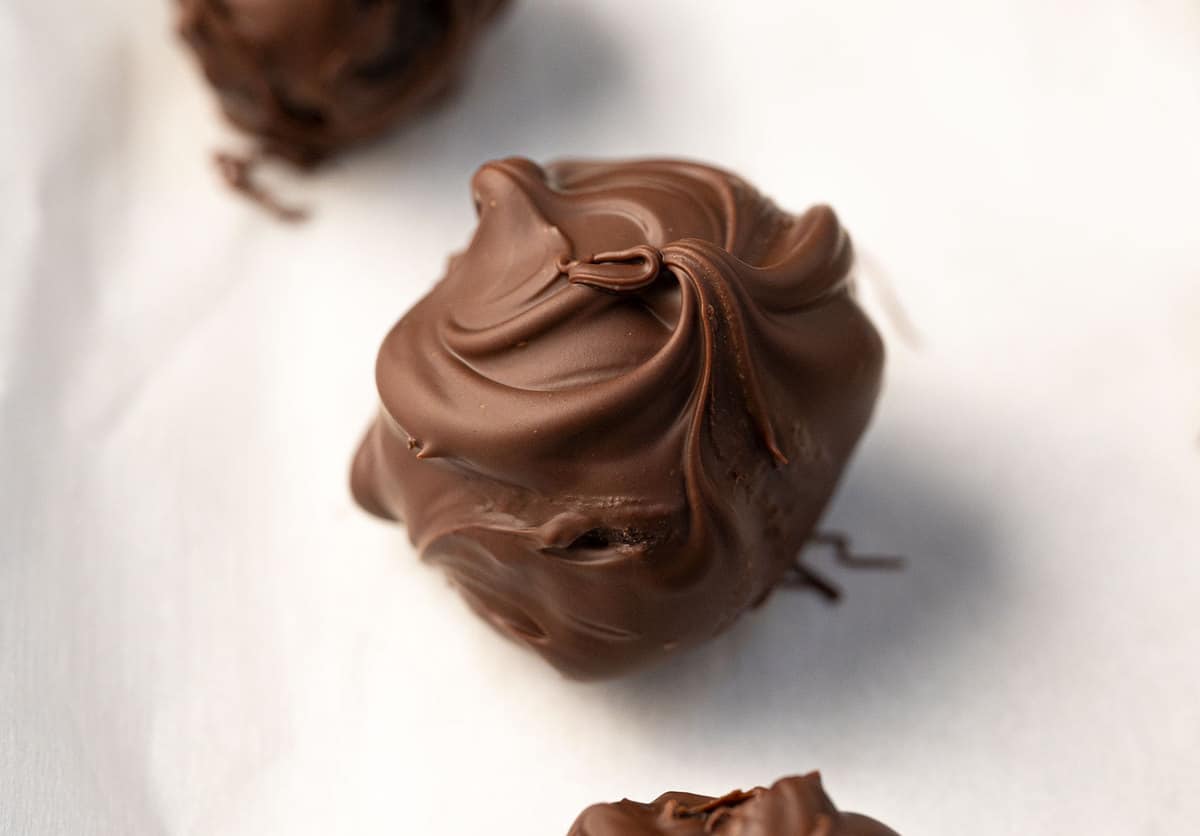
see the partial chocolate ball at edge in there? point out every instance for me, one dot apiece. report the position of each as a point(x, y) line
point(311, 77)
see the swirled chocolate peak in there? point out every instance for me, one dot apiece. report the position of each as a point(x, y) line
point(795, 806)
point(616, 420)
point(309, 77)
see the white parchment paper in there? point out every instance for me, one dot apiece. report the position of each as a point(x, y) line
point(200, 634)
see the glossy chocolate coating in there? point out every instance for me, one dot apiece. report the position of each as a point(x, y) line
point(616, 420)
point(309, 77)
point(795, 806)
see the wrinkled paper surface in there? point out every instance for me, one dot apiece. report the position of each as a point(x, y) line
point(200, 634)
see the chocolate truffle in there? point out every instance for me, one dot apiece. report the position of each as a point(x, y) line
point(617, 419)
point(309, 77)
point(791, 807)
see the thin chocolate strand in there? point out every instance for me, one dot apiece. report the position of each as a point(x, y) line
point(238, 172)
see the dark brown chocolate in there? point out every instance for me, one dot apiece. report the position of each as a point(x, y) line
point(791, 807)
point(309, 77)
point(616, 420)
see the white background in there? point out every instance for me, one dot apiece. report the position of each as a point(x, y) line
point(200, 634)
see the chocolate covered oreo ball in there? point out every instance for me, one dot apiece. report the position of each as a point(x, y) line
point(791, 807)
point(617, 419)
point(309, 77)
